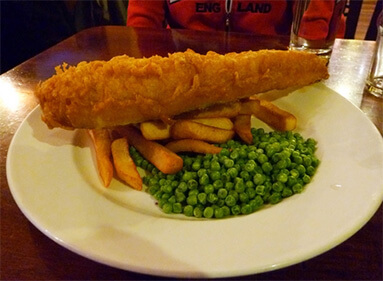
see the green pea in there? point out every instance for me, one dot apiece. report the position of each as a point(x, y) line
point(297, 188)
point(192, 184)
point(310, 170)
point(230, 200)
point(167, 208)
point(243, 197)
point(202, 198)
point(187, 176)
point(286, 192)
point(188, 162)
point(153, 189)
point(222, 193)
point(234, 154)
point(228, 163)
point(250, 192)
point(198, 212)
point(250, 166)
point(244, 175)
point(177, 208)
point(275, 198)
point(215, 166)
point(151, 181)
point(249, 184)
point(306, 179)
point(218, 213)
point(235, 210)
point(315, 162)
point(282, 177)
point(276, 157)
point(242, 153)
point(301, 169)
point(208, 156)
point(188, 210)
point(239, 185)
point(229, 185)
point(201, 172)
point(218, 184)
point(252, 155)
point(212, 198)
point(307, 161)
point(192, 200)
point(259, 179)
point(281, 164)
point(225, 177)
point(208, 188)
point(224, 152)
point(297, 159)
point(206, 164)
point(256, 203)
point(246, 209)
point(204, 179)
point(172, 199)
point(226, 211)
point(196, 165)
point(294, 173)
point(171, 177)
point(158, 195)
point(180, 197)
point(267, 167)
point(285, 154)
point(232, 172)
point(193, 192)
point(208, 212)
point(220, 202)
point(291, 181)
point(260, 189)
point(278, 186)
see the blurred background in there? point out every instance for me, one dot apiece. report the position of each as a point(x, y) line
point(29, 27)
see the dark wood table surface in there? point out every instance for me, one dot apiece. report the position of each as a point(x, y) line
point(27, 254)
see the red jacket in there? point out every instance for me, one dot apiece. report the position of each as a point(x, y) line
point(267, 17)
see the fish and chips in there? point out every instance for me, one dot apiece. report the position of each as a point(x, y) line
point(186, 102)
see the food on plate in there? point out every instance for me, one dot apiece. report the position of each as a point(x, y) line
point(219, 122)
point(155, 130)
point(203, 128)
point(269, 113)
point(242, 127)
point(186, 119)
point(127, 90)
point(125, 167)
point(239, 180)
point(204, 180)
point(187, 129)
point(164, 159)
point(192, 145)
point(102, 146)
point(225, 110)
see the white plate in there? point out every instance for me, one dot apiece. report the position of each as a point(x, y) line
point(53, 179)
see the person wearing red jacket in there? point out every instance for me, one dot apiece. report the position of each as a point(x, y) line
point(267, 17)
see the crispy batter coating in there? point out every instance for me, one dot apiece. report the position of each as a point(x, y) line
point(127, 90)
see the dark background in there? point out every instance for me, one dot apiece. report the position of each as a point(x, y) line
point(29, 27)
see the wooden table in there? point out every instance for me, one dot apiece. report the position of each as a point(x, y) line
point(26, 253)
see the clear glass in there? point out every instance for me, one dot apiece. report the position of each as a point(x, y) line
point(315, 25)
point(374, 81)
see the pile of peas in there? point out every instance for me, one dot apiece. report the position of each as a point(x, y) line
point(237, 181)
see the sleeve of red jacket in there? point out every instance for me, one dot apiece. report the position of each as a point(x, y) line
point(316, 21)
point(146, 13)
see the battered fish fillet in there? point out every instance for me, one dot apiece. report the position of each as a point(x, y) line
point(125, 90)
